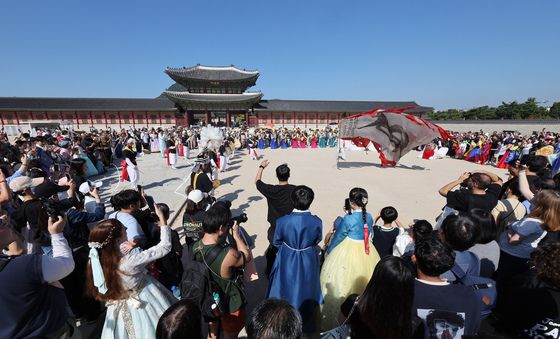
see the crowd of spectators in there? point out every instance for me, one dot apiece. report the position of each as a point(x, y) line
point(114, 268)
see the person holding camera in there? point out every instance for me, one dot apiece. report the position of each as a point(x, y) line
point(134, 299)
point(30, 290)
point(225, 268)
point(26, 215)
point(482, 191)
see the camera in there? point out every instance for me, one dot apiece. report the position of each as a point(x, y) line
point(51, 208)
point(239, 219)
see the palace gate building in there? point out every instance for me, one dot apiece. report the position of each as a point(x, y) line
point(200, 95)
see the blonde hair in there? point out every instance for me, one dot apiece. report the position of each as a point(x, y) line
point(547, 209)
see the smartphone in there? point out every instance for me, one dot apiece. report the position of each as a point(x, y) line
point(56, 168)
point(67, 176)
point(139, 187)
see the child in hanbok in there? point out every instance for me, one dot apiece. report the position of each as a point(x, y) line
point(351, 258)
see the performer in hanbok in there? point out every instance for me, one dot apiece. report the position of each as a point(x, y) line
point(314, 141)
point(154, 144)
point(129, 166)
point(295, 141)
point(273, 140)
point(171, 153)
point(303, 141)
point(260, 143)
point(332, 139)
point(429, 151)
point(117, 276)
point(351, 258)
point(252, 147)
point(295, 273)
point(283, 142)
point(322, 139)
point(162, 141)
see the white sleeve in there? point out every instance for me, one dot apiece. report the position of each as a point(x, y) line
point(129, 163)
point(61, 263)
point(401, 242)
point(152, 253)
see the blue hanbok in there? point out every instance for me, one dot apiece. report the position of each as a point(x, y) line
point(273, 143)
point(283, 144)
point(323, 141)
point(296, 270)
point(261, 144)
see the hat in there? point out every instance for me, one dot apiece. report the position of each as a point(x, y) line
point(131, 141)
point(86, 187)
point(195, 196)
point(48, 188)
point(20, 183)
point(202, 159)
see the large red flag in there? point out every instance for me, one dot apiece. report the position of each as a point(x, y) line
point(392, 132)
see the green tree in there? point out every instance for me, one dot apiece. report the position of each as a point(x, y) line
point(554, 111)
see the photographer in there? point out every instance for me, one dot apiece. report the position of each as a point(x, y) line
point(217, 226)
point(28, 288)
point(482, 191)
point(195, 209)
point(26, 215)
point(77, 233)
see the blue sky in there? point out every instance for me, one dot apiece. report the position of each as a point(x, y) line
point(445, 53)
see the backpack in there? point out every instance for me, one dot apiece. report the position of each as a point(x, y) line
point(484, 288)
point(197, 285)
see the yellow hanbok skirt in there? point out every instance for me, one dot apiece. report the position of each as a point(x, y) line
point(346, 270)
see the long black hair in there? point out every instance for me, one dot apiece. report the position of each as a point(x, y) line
point(383, 310)
point(359, 197)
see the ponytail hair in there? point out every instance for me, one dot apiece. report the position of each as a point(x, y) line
point(359, 197)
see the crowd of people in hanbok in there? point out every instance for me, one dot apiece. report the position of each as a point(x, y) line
point(496, 148)
point(73, 261)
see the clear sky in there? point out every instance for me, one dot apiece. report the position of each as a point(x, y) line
point(444, 53)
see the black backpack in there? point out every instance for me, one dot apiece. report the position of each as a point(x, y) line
point(197, 284)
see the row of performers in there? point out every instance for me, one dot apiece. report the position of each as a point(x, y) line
point(484, 152)
point(297, 141)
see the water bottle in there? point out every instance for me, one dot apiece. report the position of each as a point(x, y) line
point(176, 292)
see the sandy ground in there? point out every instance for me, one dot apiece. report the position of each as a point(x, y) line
point(411, 188)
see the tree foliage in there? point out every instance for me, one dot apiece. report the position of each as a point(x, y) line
point(530, 109)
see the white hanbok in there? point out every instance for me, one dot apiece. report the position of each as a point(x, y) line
point(137, 316)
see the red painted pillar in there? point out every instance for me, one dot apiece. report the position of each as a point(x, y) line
point(247, 117)
point(160, 121)
point(187, 118)
point(207, 118)
point(133, 122)
point(283, 118)
point(91, 118)
point(228, 119)
point(120, 122)
point(17, 118)
point(77, 119)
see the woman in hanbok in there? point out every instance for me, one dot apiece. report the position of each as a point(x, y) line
point(261, 144)
point(332, 139)
point(154, 144)
point(283, 143)
point(314, 140)
point(295, 141)
point(117, 276)
point(303, 141)
point(351, 258)
point(162, 141)
point(323, 139)
point(295, 273)
point(273, 140)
